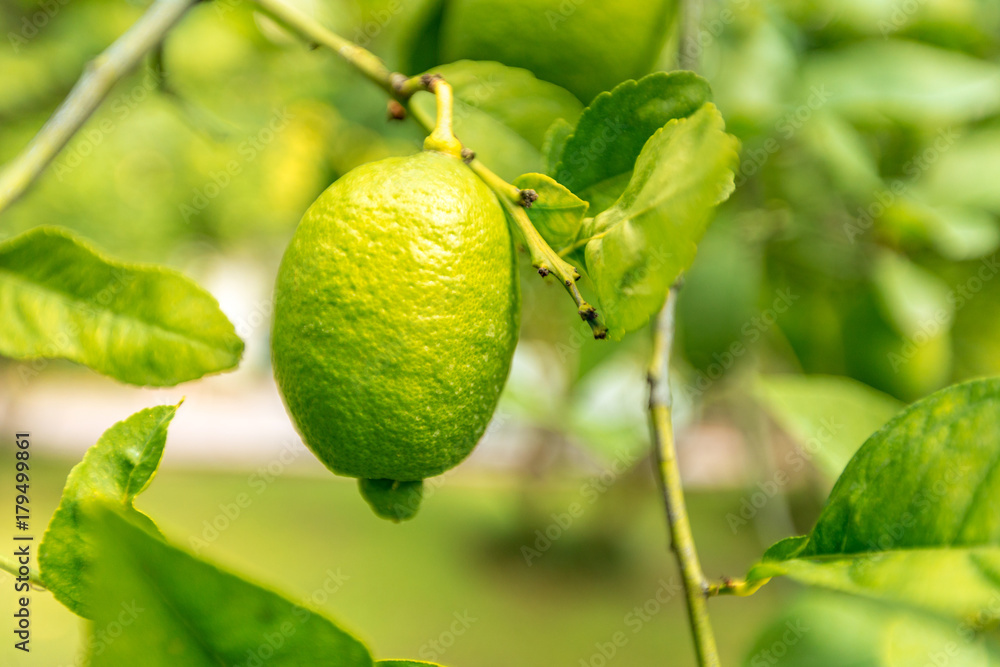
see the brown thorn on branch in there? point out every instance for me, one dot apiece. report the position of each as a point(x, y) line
point(395, 110)
point(468, 155)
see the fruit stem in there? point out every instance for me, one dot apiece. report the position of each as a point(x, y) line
point(543, 257)
point(442, 137)
point(668, 476)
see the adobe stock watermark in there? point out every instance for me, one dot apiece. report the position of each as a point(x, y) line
point(751, 331)
point(63, 342)
point(754, 159)
point(770, 655)
point(32, 25)
point(892, 533)
point(434, 649)
point(900, 15)
point(258, 482)
point(886, 197)
point(957, 297)
point(101, 638)
point(711, 29)
point(121, 107)
point(590, 491)
point(634, 621)
point(248, 150)
point(365, 32)
point(274, 640)
point(969, 631)
point(796, 459)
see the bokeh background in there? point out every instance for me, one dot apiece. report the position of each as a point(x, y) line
point(860, 243)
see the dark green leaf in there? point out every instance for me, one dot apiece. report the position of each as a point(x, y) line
point(829, 416)
point(642, 244)
point(914, 518)
point(555, 142)
point(557, 213)
point(600, 154)
point(501, 113)
point(143, 325)
point(174, 609)
point(116, 469)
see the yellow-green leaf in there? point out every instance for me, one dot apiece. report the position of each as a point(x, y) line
point(141, 324)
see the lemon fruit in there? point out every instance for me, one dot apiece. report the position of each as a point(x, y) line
point(586, 47)
point(396, 316)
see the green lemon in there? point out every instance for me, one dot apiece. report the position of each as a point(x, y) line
point(396, 317)
point(585, 46)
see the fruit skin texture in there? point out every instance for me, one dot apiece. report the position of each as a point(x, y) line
point(396, 317)
point(586, 47)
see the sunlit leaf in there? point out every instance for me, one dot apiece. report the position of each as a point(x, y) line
point(812, 630)
point(143, 325)
point(116, 469)
point(642, 244)
point(913, 518)
point(599, 156)
point(557, 213)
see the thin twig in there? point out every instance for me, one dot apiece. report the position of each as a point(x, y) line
point(668, 476)
point(99, 77)
point(14, 570)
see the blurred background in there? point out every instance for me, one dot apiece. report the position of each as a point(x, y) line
point(851, 272)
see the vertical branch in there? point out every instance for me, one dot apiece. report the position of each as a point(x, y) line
point(668, 477)
point(98, 79)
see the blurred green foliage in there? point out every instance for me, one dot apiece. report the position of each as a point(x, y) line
point(860, 240)
point(870, 136)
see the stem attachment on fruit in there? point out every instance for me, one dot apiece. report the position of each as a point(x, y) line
point(442, 137)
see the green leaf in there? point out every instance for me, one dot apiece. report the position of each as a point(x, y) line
point(501, 113)
point(642, 244)
point(554, 143)
point(906, 81)
point(404, 663)
point(557, 213)
point(598, 157)
point(140, 324)
point(964, 173)
point(812, 630)
point(174, 609)
point(116, 469)
point(912, 298)
point(913, 518)
point(829, 417)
